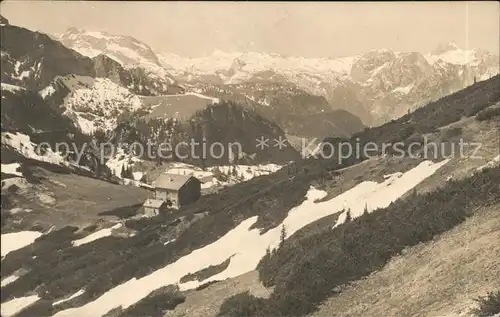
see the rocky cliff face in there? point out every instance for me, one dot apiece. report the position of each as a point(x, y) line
point(3, 20)
point(124, 49)
point(136, 79)
point(32, 60)
point(394, 84)
point(135, 56)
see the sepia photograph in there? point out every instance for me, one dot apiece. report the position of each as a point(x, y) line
point(250, 158)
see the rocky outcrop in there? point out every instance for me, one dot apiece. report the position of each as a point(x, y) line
point(136, 79)
point(3, 20)
point(32, 60)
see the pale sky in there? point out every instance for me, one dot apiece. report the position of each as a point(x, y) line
point(329, 29)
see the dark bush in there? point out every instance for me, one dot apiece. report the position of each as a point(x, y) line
point(488, 113)
point(206, 272)
point(450, 133)
point(489, 305)
point(155, 304)
point(205, 285)
point(122, 212)
point(241, 305)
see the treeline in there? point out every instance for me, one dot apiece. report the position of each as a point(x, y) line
point(225, 123)
point(308, 271)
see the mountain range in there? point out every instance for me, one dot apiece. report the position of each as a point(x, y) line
point(376, 86)
point(100, 80)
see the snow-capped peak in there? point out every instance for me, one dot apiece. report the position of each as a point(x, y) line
point(125, 49)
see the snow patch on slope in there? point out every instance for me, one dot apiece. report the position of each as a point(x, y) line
point(15, 305)
point(80, 292)
point(372, 195)
point(120, 161)
point(11, 88)
point(12, 169)
point(47, 91)
point(95, 103)
point(17, 240)
point(8, 280)
point(213, 99)
point(96, 235)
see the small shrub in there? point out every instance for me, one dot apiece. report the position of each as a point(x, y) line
point(240, 305)
point(90, 228)
point(155, 304)
point(205, 285)
point(489, 305)
point(205, 273)
point(122, 212)
point(488, 113)
point(451, 133)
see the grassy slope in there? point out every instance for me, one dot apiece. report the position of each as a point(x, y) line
point(438, 278)
point(74, 200)
point(206, 302)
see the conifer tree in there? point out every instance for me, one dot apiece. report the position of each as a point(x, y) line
point(348, 216)
point(365, 212)
point(282, 236)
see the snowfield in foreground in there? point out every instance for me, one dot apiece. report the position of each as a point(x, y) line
point(246, 247)
point(17, 240)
